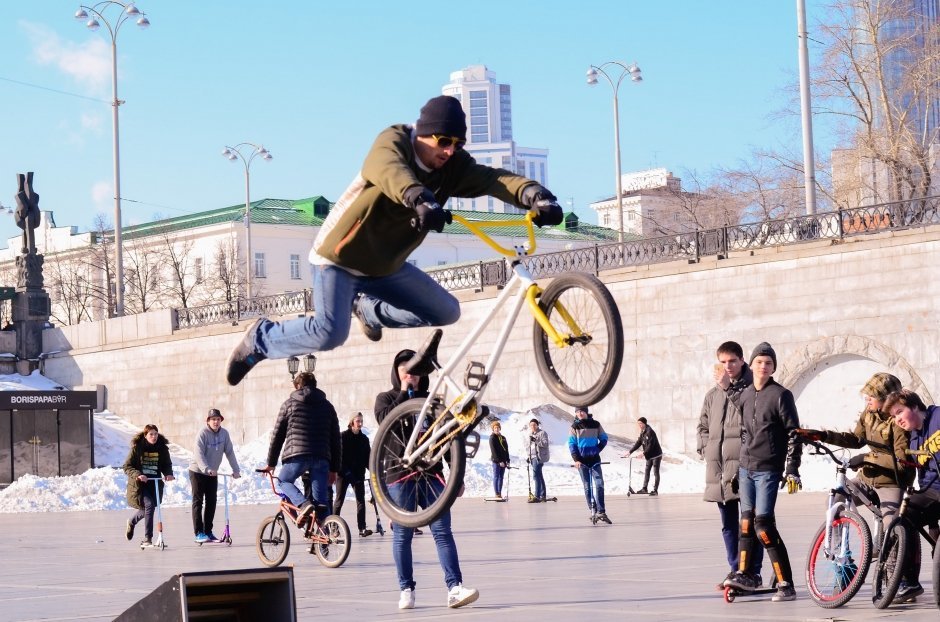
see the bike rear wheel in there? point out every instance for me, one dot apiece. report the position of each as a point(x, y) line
point(333, 555)
point(273, 540)
point(583, 372)
point(890, 567)
point(414, 495)
point(835, 576)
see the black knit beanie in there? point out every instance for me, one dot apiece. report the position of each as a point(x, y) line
point(764, 349)
point(442, 115)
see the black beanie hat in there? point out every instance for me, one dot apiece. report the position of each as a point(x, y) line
point(442, 115)
point(764, 349)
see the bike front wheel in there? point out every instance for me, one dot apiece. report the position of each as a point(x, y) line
point(890, 566)
point(835, 575)
point(414, 494)
point(582, 310)
point(333, 555)
point(273, 540)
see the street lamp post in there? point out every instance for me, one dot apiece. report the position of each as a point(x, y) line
point(635, 74)
point(94, 16)
point(238, 153)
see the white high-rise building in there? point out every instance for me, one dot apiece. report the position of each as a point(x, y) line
point(488, 106)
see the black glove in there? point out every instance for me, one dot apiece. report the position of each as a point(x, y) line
point(432, 217)
point(532, 439)
point(856, 462)
point(539, 198)
point(416, 195)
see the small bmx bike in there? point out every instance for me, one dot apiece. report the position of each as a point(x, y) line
point(329, 540)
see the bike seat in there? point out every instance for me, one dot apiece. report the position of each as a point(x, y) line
point(424, 360)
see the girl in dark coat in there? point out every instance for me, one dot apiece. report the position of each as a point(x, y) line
point(148, 460)
point(499, 455)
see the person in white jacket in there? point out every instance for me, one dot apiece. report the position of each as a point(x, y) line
point(212, 443)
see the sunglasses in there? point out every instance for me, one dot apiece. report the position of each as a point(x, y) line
point(449, 141)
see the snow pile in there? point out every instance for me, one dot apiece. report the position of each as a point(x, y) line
point(103, 488)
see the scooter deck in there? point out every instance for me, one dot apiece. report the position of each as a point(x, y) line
point(496, 499)
point(731, 593)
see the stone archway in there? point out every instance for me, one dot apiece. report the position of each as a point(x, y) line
point(800, 366)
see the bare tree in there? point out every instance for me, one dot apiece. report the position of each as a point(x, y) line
point(226, 278)
point(879, 73)
point(177, 259)
point(143, 267)
point(99, 265)
point(73, 300)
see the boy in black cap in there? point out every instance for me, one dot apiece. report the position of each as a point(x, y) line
point(770, 455)
point(652, 451)
point(361, 251)
point(212, 444)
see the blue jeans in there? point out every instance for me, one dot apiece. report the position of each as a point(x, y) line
point(404, 299)
point(590, 472)
point(498, 473)
point(539, 478)
point(440, 531)
point(758, 491)
point(293, 468)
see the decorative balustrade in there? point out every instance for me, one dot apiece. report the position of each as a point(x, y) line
point(692, 246)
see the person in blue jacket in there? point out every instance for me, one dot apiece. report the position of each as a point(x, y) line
point(586, 441)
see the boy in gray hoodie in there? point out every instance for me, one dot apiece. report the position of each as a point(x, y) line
point(212, 443)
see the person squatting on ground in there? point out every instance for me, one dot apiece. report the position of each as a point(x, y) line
point(307, 429)
point(499, 456)
point(719, 445)
point(653, 454)
point(353, 471)
point(923, 507)
point(586, 440)
point(538, 453)
point(147, 461)
point(770, 455)
point(406, 386)
point(212, 443)
point(876, 468)
point(360, 254)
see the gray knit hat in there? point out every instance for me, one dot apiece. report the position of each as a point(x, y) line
point(764, 349)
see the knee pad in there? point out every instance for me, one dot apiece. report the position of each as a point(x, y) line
point(766, 527)
point(747, 523)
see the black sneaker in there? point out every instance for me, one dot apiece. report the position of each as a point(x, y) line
point(372, 333)
point(726, 581)
point(744, 582)
point(146, 543)
point(365, 533)
point(245, 355)
point(642, 491)
point(785, 592)
point(306, 509)
point(653, 493)
point(129, 530)
point(908, 592)
point(602, 516)
point(418, 531)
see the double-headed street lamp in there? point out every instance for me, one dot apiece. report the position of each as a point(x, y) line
point(238, 153)
point(94, 16)
point(636, 76)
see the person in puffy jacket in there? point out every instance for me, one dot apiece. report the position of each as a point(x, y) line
point(652, 452)
point(586, 440)
point(360, 254)
point(147, 462)
point(306, 437)
point(499, 456)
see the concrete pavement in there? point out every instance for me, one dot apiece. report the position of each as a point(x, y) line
point(660, 560)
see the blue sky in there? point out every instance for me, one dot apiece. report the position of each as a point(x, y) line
point(315, 81)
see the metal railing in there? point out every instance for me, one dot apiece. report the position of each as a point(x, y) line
point(837, 225)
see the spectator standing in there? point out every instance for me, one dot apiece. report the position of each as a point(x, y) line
point(212, 444)
point(538, 453)
point(719, 445)
point(353, 471)
point(499, 456)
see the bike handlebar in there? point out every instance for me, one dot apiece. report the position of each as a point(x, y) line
point(476, 227)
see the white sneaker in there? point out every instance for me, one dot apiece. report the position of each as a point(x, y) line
point(407, 599)
point(458, 596)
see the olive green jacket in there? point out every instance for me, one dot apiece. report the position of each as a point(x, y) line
point(878, 470)
point(369, 229)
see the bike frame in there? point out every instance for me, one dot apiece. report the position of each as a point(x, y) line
point(287, 509)
point(520, 289)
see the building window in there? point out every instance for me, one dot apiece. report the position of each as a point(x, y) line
point(489, 204)
point(260, 270)
point(606, 219)
point(542, 173)
point(295, 266)
point(197, 269)
point(531, 170)
point(507, 162)
point(631, 215)
point(479, 117)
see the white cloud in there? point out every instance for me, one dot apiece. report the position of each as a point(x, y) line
point(102, 194)
point(91, 121)
point(88, 63)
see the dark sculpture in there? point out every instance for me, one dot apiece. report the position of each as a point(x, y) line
point(27, 211)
